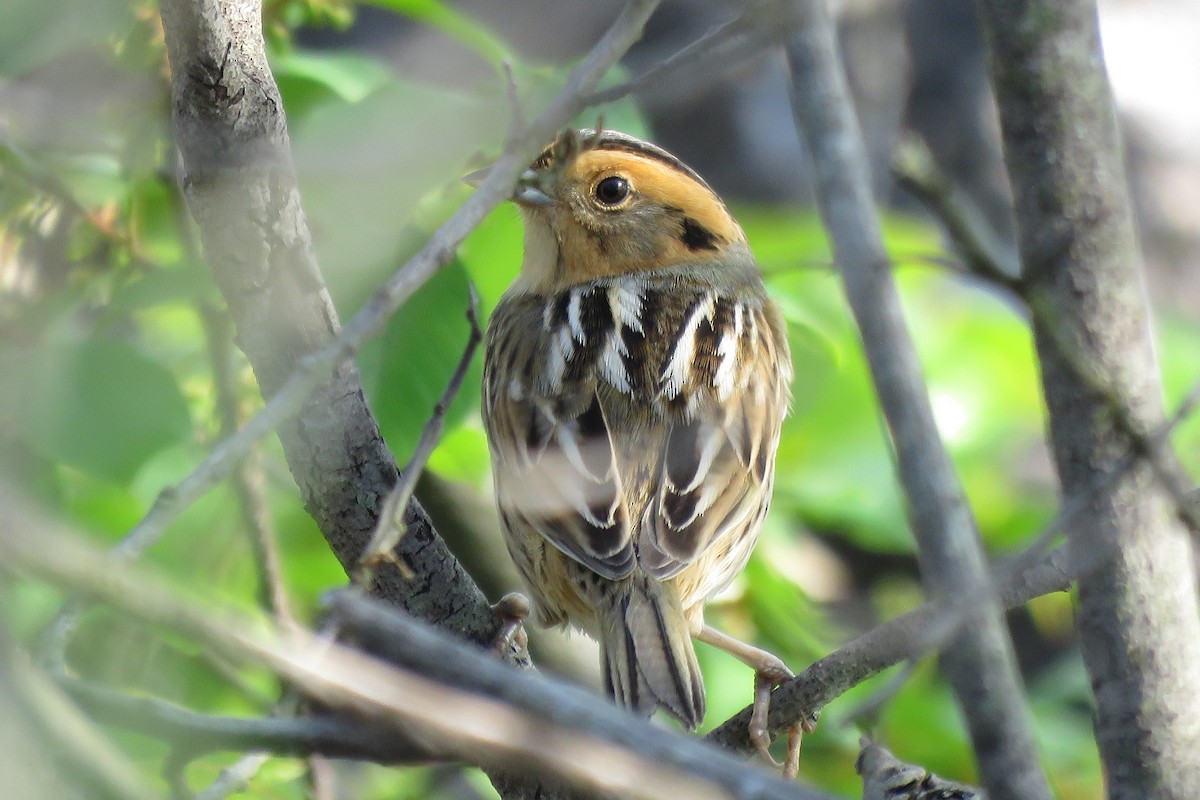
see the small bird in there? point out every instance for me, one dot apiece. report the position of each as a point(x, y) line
point(635, 381)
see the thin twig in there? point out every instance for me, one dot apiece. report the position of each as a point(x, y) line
point(234, 778)
point(869, 708)
point(905, 638)
point(516, 120)
point(51, 719)
point(247, 479)
point(391, 526)
point(698, 53)
point(192, 734)
point(915, 169)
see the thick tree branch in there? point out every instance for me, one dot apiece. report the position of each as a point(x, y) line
point(477, 709)
point(1137, 617)
point(979, 661)
point(241, 190)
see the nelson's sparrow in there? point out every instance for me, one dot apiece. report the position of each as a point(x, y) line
point(636, 378)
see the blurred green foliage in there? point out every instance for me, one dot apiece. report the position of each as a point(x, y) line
point(107, 391)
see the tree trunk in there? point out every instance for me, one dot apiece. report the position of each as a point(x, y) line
point(1137, 615)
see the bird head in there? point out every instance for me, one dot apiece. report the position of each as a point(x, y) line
point(601, 203)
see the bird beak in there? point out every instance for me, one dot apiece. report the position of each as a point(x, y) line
point(527, 192)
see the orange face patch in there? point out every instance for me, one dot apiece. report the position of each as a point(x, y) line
point(659, 183)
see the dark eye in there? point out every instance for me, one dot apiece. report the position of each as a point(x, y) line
point(612, 191)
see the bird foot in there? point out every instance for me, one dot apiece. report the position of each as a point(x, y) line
point(512, 610)
point(767, 676)
point(769, 672)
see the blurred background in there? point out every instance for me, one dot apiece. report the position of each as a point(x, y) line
point(118, 370)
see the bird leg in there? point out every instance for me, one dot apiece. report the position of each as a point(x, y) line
point(769, 672)
point(512, 610)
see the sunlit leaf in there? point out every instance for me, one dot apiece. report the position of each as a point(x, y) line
point(99, 405)
point(307, 79)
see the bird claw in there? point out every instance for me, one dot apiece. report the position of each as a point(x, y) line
point(760, 734)
point(765, 680)
point(512, 609)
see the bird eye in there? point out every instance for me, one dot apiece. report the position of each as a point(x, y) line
point(611, 190)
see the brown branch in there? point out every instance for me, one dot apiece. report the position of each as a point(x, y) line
point(979, 661)
point(904, 638)
point(477, 709)
point(193, 734)
point(235, 151)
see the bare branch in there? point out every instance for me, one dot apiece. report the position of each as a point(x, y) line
point(248, 482)
point(46, 717)
point(391, 517)
point(192, 734)
point(979, 662)
point(904, 638)
point(887, 778)
point(501, 718)
point(234, 778)
point(915, 170)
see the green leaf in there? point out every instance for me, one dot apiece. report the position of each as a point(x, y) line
point(308, 79)
point(35, 32)
point(492, 254)
point(154, 222)
point(419, 352)
point(99, 405)
point(365, 169)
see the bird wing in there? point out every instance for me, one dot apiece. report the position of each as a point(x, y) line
point(712, 483)
point(623, 406)
point(554, 463)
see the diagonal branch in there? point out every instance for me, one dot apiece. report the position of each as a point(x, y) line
point(391, 518)
point(979, 661)
point(905, 638)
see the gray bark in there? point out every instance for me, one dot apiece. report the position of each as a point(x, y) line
point(241, 189)
point(979, 661)
point(1137, 614)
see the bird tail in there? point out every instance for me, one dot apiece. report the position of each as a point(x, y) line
point(646, 651)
